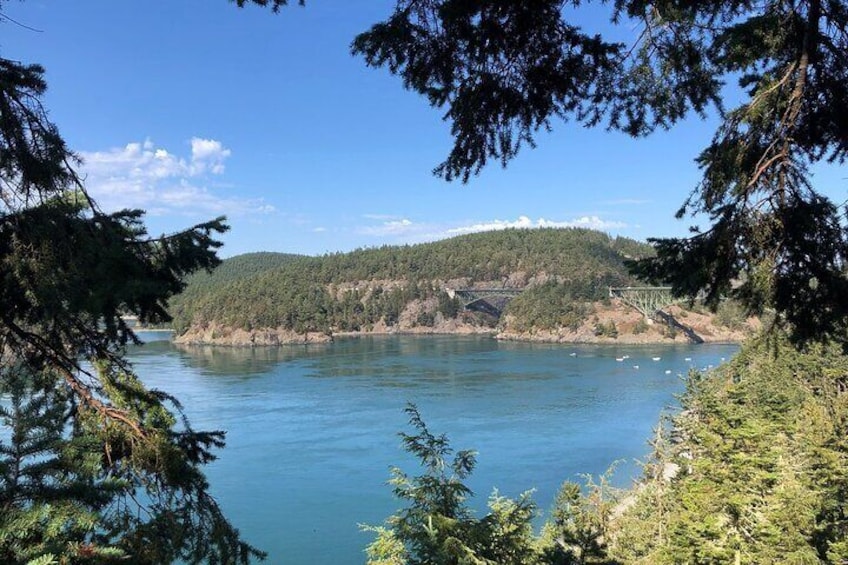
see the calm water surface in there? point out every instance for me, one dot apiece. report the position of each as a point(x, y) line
point(312, 430)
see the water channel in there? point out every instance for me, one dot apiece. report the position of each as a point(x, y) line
point(312, 430)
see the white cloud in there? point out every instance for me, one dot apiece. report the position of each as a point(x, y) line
point(524, 222)
point(142, 175)
point(404, 230)
point(208, 154)
point(390, 228)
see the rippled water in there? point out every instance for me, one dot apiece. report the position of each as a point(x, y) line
point(312, 430)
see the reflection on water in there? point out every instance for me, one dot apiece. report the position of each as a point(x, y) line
point(245, 360)
point(312, 429)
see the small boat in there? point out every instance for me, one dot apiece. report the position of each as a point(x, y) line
point(625, 356)
point(572, 354)
point(656, 358)
point(635, 366)
point(619, 359)
point(687, 358)
point(668, 371)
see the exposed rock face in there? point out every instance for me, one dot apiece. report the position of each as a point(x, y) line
point(420, 316)
point(631, 329)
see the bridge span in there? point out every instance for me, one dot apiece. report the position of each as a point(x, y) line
point(646, 299)
point(489, 300)
point(652, 302)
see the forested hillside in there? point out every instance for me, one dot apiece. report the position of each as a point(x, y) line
point(230, 270)
point(354, 291)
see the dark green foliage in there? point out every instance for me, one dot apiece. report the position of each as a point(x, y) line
point(275, 5)
point(72, 482)
point(426, 319)
point(504, 70)
point(298, 293)
point(553, 305)
point(730, 314)
point(464, 55)
point(230, 270)
point(448, 307)
point(237, 268)
point(606, 329)
point(97, 468)
point(579, 526)
point(642, 326)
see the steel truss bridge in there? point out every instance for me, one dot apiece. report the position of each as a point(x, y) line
point(489, 300)
point(651, 302)
point(646, 299)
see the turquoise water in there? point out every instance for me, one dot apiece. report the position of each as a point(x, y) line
point(312, 430)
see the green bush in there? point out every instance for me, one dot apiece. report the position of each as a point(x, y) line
point(606, 329)
point(730, 314)
point(641, 326)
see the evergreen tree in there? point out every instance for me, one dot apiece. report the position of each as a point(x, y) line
point(50, 491)
point(437, 526)
point(97, 467)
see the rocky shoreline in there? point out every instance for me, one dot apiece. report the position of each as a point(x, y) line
point(215, 334)
point(610, 323)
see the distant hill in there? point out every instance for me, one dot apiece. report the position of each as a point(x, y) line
point(394, 285)
point(244, 266)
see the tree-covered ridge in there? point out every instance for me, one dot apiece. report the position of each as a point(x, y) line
point(330, 292)
point(240, 267)
point(568, 253)
point(232, 269)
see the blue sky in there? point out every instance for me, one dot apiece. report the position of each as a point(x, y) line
point(193, 108)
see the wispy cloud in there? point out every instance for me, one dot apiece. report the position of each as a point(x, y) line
point(524, 222)
point(404, 230)
point(397, 227)
point(142, 175)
